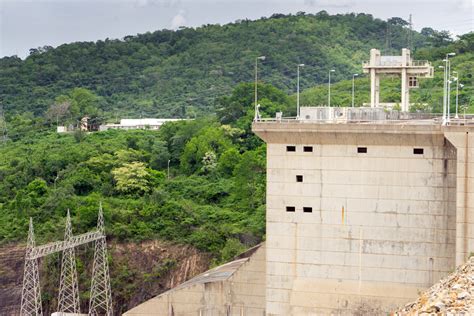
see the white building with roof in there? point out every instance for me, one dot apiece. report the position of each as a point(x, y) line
point(143, 123)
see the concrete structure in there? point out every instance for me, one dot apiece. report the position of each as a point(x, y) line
point(409, 70)
point(360, 217)
point(145, 123)
point(233, 289)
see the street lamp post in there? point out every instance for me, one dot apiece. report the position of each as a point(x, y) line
point(329, 87)
point(169, 169)
point(256, 79)
point(457, 92)
point(353, 76)
point(298, 90)
point(444, 91)
point(446, 88)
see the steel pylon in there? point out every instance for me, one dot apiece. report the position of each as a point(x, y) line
point(101, 294)
point(31, 293)
point(68, 286)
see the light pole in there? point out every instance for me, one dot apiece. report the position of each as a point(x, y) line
point(446, 86)
point(329, 87)
point(298, 90)
point(169, 169)
point(353, 76)
point(457, 92)
point(256, 79)
point(444, 92)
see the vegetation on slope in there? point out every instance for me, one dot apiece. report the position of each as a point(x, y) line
point(179, 73)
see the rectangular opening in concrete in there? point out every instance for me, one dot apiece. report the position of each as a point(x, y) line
point(307, 209)
point(290, 208)
point(418, 151)
point(290, 148)
point(299, 178)
point(308, 149)
point(362, 150)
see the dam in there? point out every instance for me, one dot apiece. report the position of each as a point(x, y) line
point(365, 209)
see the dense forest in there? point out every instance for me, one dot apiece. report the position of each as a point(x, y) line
point(198, 182)
point(179, 73)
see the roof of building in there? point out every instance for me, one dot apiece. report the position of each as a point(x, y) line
point(220, 273)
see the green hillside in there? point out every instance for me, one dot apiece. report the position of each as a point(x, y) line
point(179, 73)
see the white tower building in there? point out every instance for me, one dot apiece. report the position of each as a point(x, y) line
point(409, 70)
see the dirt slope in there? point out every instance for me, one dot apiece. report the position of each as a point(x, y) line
point(139, 271)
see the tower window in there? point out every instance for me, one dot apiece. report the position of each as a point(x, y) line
point(307, 209)
point(418, 151)
point(290, 148)
point(290, 208)
point(299, 178)
point(362, 150)
point(308, 149)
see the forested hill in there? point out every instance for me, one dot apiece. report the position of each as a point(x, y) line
point(179, 73)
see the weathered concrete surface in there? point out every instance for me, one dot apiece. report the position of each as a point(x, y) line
point(236, 288)
point(384, 224)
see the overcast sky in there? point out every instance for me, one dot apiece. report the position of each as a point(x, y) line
point(26, 24)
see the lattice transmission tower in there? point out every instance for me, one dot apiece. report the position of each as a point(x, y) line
point(68, 286)
point(101, 295)
point(68, 302)
point(31, 292)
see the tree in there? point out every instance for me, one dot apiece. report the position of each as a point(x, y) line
point(241, 101)
point(397, 21)
point(209, 162)
point(249, 176)
point(58, 111)
point(131, 178)
point(228, 160)
point(83, 102)
point(210, 139)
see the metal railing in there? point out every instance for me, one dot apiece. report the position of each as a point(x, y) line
point(391, 118)
point(396, 63)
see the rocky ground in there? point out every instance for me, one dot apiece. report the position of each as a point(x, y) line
point(453, 295)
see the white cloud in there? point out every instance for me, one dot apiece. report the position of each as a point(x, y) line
point(178, 20)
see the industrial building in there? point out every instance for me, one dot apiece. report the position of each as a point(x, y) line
point(144, 123)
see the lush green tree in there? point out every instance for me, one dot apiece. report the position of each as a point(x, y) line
point(131, 178)
point(210, 139)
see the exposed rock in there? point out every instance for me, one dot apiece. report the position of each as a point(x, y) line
point(143, 269)
point(450, 296)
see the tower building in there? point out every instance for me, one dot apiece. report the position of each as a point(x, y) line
point(408, 69)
